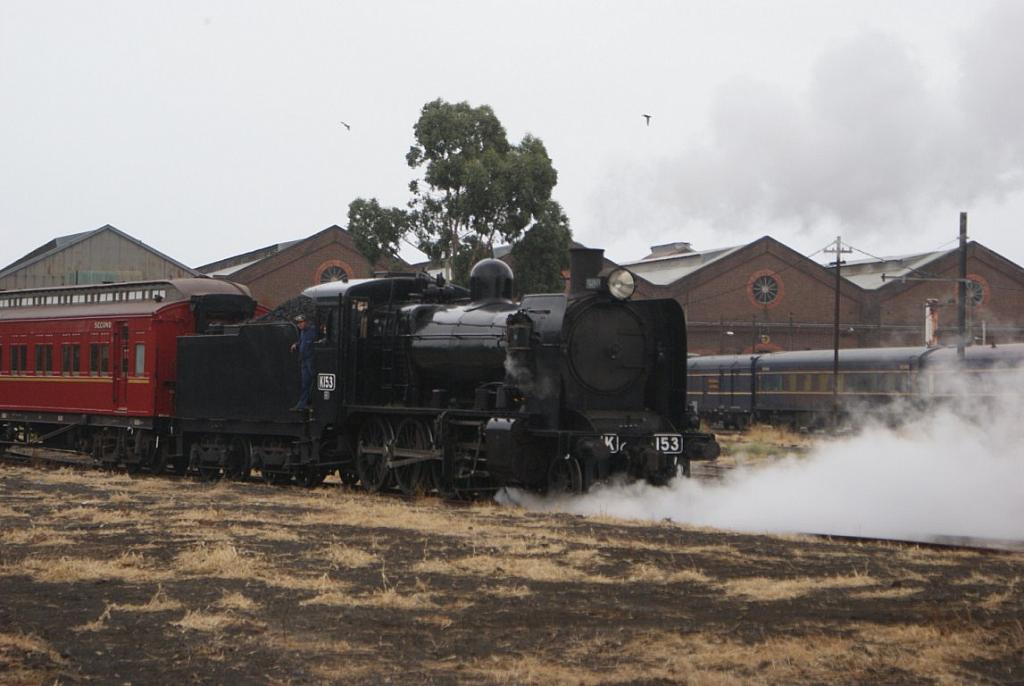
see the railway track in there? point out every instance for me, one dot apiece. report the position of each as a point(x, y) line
point(48, 458)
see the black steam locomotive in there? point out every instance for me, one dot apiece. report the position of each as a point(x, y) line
point(423, 385)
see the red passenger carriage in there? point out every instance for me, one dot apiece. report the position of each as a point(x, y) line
point(98, 363)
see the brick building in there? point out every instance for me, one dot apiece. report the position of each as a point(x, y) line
point(765, 296)
point(279, 272)
point(103, 255)
point(759, 296)
point(995, 295)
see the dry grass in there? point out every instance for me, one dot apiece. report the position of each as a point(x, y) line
point(519, 591)
point(887, 593)
point(931, 556)
point(203, 517)
point(442, 622)
point(534, 569)
point(129, 567)
point(28, 643)
point(264, 533)
point(225, 560)
point(347, 557)
point(995, 600)
point(98, 624)
point(160, 602)
point(866, 651)
point(222, 560)
point(27, 659)
point(96, 515)
point(764, 589)
point(979, 579)
point(761, 442)
point(645, 573)
point(237, 601)
point(8, 511)
point(390, 598)
point(526, 556)
point(196, 620)
point(34, 536)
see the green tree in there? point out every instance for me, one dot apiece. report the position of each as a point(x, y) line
point(376, 230)
point(476, 189)
point(542, 254)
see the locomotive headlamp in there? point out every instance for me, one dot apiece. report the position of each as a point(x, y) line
point(621, 284)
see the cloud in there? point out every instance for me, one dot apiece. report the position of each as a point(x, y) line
point(873, 141)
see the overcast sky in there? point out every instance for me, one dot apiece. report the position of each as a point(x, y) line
point(208, 129)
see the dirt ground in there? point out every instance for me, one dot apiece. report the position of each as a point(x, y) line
point(106, 578)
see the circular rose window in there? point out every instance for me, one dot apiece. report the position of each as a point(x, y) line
point(977, 290)
point(764, 288)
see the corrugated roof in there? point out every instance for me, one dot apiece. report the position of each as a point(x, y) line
point(228, 271)
point(868, 273)
point(665, 270)
point(235, 263)
point(61, 243)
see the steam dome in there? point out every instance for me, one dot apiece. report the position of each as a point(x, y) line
point(491, 280)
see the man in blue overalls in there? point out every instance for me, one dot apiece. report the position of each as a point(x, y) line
point(307, 334)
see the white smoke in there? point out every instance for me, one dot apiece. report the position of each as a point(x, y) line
point(942, 474)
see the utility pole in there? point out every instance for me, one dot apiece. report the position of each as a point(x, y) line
point(839, 250)
point(961, 290)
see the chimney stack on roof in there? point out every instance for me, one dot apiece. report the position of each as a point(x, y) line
point(668, 249)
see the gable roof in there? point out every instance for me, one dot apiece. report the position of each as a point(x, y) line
point(61, 243)
point(230, 265)
point(255, 263)
point(668, 269)
point(868, 273)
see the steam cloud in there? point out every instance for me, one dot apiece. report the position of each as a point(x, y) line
point(873, 142)
point(943, 474)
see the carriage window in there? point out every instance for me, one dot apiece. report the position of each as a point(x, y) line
point(44, 359)
point(71, 362)
point(140, 359)
point(99, 358)
point(901, 384)
point(771, 382)
point(19, 358)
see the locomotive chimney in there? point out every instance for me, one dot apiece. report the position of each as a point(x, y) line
point(584, 264)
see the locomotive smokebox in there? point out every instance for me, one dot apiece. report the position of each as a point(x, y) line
point(585, 265)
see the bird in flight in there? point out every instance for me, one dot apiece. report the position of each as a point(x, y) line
point(346, 126)
point(647, 117)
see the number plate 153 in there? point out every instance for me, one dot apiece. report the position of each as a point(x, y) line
point(670, 444)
